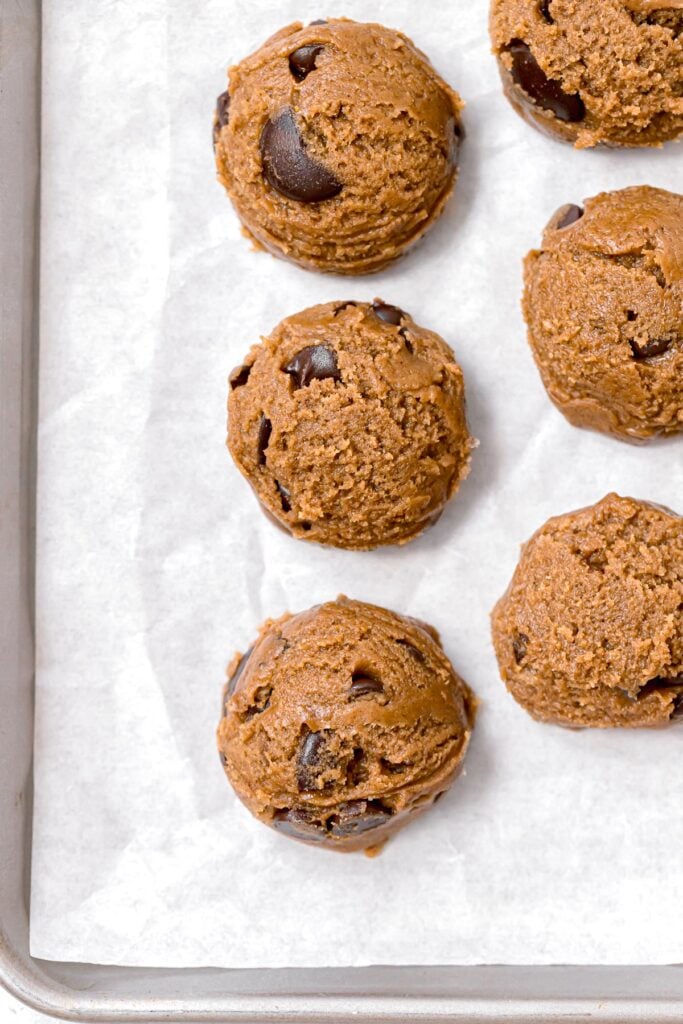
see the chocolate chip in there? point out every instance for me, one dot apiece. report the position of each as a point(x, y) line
point(300, 824)
point(265, 429)
point(223, 108)
point(223, 759)
point(411, 649)
point(315, 362)
point(631, 315)
point(567, 215)
point(357, 816)
point(362, 685)
point(656, 347)
point(544, 8)
point(259, 704)
point(319, 21)
point(312, 760)
point(241, 665)
point(389, 314)
point(285, 497)
point(394, 767)
point(519, 647)
point(546, 92)
point(239, 377)
point(344, 305)
point(678, 707)
point(288, 168)
point(302, 61)
point(356, 771)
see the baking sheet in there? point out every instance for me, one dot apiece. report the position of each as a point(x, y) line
point(154, 564)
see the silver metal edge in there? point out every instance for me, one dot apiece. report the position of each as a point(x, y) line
point(425, 994)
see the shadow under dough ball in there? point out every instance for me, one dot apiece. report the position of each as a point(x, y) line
point(590, 630)
point(343, 723)
point(349, 423)
point(607, 72)
point(337, 143)
point(603, 302)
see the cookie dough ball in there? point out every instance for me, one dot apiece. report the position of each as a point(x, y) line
point(349, 424)
point(604, 306)
point(590, 631)
point(592, 73)
point(342, 723)
point(337, 143)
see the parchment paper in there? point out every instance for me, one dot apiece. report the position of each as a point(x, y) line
point(154, 563)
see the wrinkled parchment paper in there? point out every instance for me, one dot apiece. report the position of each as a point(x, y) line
point(154, 564)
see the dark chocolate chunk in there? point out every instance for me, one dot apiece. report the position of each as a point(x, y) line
point(343, 306)
point(678, 707)
point(519, 647)
point(389, 314)
point(300, 824)
point(545, 92)
point(656, 347)
point(239, 377)
point(285, 497)
point(315, 362)
point(302, 61)
point(241, 665)
point(312, 760)
point(288, 167)
point(356, 816)
point(362, 685)
point(223, 108)
point(411, 649)
point(544, 8)
point(265, 429)
point(569, 214)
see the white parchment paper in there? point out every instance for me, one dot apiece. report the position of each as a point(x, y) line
point(154, 563)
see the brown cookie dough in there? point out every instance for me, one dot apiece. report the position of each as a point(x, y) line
point(342, 723)
point(590, 630)
point(607, 72)
point(337, 143)
point(349, 424)
point(603, 302)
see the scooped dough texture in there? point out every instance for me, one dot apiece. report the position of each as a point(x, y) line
point(604, 306)
point(590, 631)
point(370, 112)
point(615, 67)
point(342, 723)
point(349, 424)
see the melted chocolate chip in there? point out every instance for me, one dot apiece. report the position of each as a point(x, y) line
point(569, 214)
point(545, 92)
point(300, 824)
point(389, 314)
point(223, 109)
point(288, 168)
point(241, 665)
point(363, 685)
point(315, 362)
point(302, 61)
point(285, 497)
point(312, 760)
point(544, 8)
point(357, 816)
point(239, 377)
point(656, 347)
point(519, 647)
point(411, 649)
point(265, 429)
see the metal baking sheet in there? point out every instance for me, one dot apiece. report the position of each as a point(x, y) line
point(90, 993)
